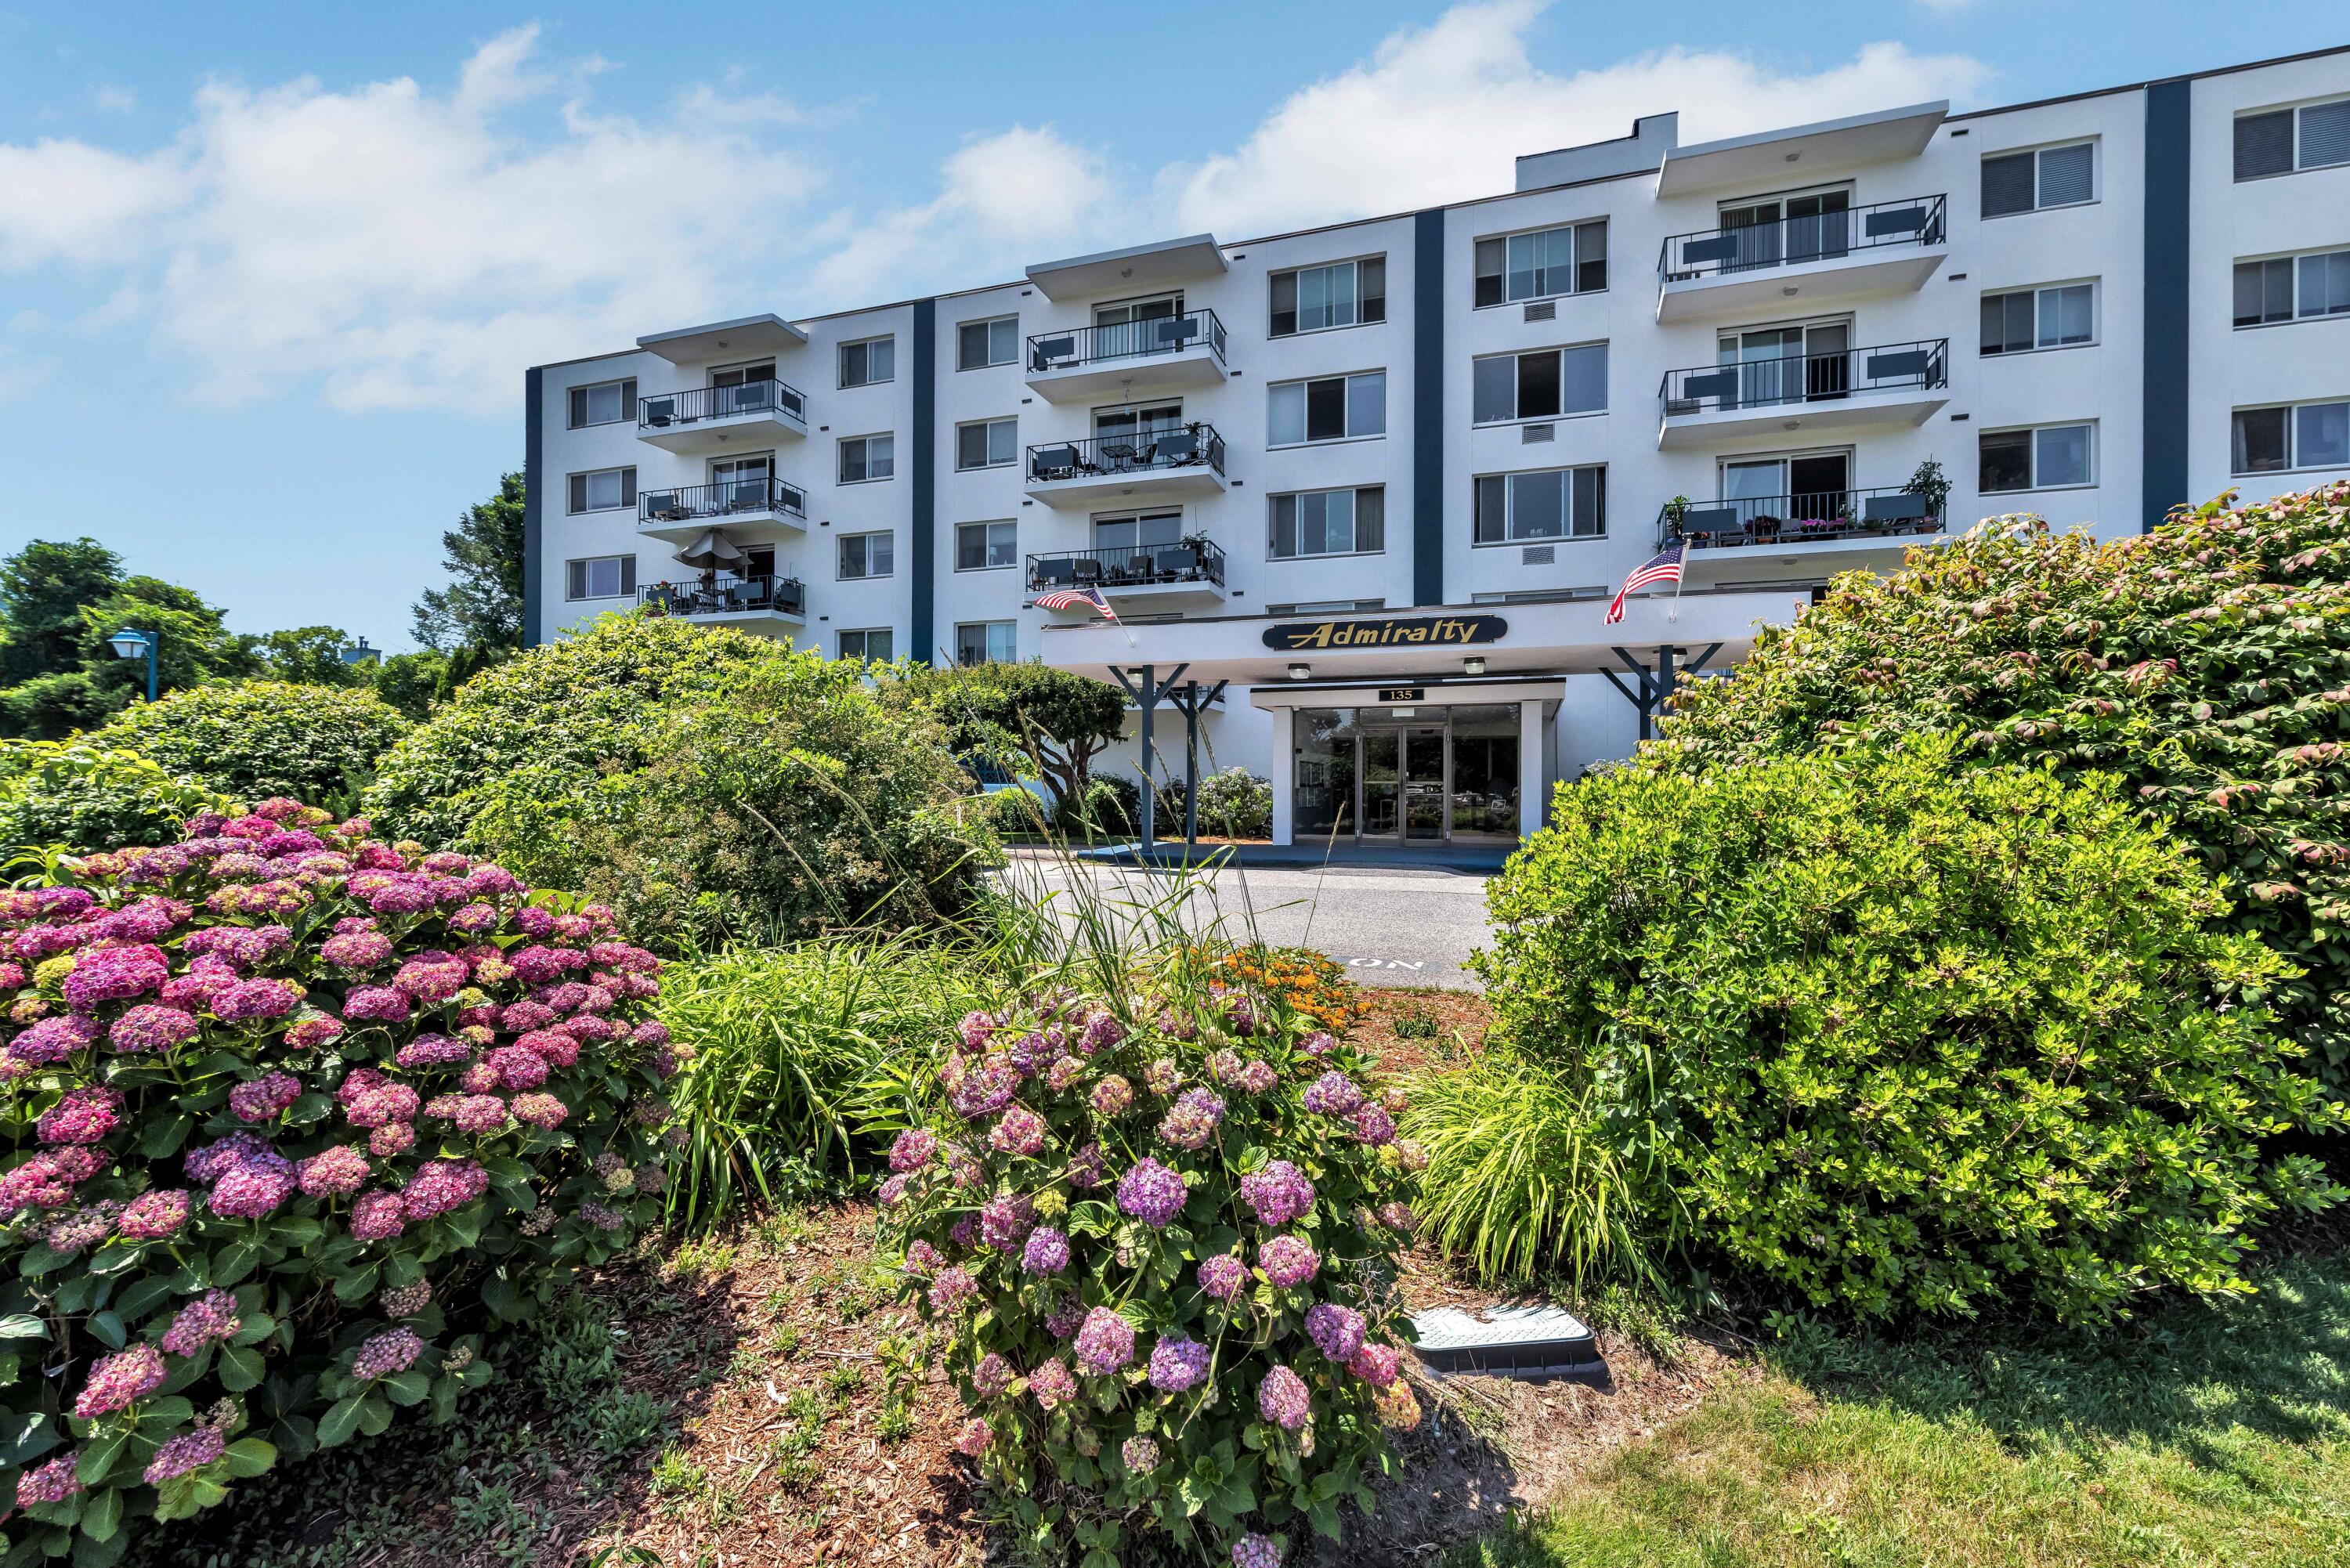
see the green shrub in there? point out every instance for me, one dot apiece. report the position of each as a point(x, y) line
point(539, 737)
point(75, 795)
point(1895, 1037)
point(296, 1123)
point(801, 1055)
point(1034, 720)
point(2206, 664)
point(1234, 803)
point(1109, 807)
point(1158, 1238)
point(257, 739)
point(795, 802)
point(1522, 1180)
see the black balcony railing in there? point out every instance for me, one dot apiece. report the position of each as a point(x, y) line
point(1805, 378)
point(1129, 566)
point(728, 498)
point(1146, 451)
point(1800, 518)
point(1161, 336)
point(727, 596)
point(1790, 242)
point(670, 411)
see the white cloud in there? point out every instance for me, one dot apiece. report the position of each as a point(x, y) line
point(403, 248)
point(114, 99)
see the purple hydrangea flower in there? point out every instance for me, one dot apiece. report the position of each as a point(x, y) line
point(1279, 1193)
point(334, 1172)
point(151, 1026)
point(210, 1316)
point(912, 1150)
point(985, 1090)
point(1031, 1054)
point(1288, 1261)
point(1177, 1364)
point(1374, 1126)
point(1151, 1193)
point(1283, 1399)
point(1398, 1218)
point(52, 1039)
point(1053, 1384)
point(1106, 1343)
point(210, 1162)
point(1321, 1043)
point(255, 1001)
point(1334, 1093)
point(991, 1377)
point(441, 1185)
point(1193, 1120)
point(52, 1481)
point(120, 1380)
point(892, 1193)
point(1337, 1331)
point(1111, 1095)
point(1005, 1219)
point(191, 1450)
point(1222, 1277)
point(952, 1289)
point(264, 1099)
point(1258, 1077)
point(80, 1116)
point(1047, 1251)
point(1102, 1031)
point(387, 1355)
point(1067, 1316)
point(1088, 1167)
point(1254, 1551)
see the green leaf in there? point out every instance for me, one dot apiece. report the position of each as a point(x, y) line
point(41, 1259)
point(241, 1367)
point(98, 1456)
point(234, 1263)
point(252, 1327)
point(248, 1457)
point(28, 1436)
point(107, 1328)
point(103, 1515)
point(23, 1325)
point(407, 1387)
point(375, 1415)
point(340, 1421)
point(139, 1298)
point(163, 1136)
point(167, 1412)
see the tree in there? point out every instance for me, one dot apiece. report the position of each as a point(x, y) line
point(309, 656)
point(43, 588)
point(483, 608)
point(412, 682)
point(254, 739)
point(1056, 719)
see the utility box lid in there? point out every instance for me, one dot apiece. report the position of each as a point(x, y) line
point(1528, 1341)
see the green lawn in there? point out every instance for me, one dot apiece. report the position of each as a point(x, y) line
point(2197, 1436)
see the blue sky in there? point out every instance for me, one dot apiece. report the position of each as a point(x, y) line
point(270, 274)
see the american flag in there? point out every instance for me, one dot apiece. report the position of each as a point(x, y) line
point(1077, 598)
point(1665, 567)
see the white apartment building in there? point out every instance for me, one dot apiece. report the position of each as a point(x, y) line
point(1371, 485)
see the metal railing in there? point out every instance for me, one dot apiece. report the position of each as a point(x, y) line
point(1193, 560)
point(1805, 377)
point(700, 405)
point(728, 498)
point(1161, 334)
point(1800, 518)
point(726, 596)
point(1146, 451)
point(1790, 242)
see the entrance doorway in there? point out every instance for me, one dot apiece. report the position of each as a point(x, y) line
point(1374, 774)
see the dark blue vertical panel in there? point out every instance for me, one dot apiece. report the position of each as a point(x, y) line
point(1428, 408)
point(923, 546)
point(533, 548)
point(2165, 432)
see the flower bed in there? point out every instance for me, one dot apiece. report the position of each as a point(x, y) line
point(299, 1114)
point(1302, 980)
point(1159, 1238)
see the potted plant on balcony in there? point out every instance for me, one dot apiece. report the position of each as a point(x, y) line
point(1928, 481)
point(1676, 510)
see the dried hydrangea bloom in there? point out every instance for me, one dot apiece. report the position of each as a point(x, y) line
point(188, 1451)
point(1106, 1343)
point(1138, 1455)
point(1053, 1384)
point(1192, 1121)
point(210, 1316)
point(1288, 1261)
point(387, 1355)
point(973, 1440)
point(1283, 1399)
point(1018, 1131)
point(991, 1377)
point(1398, 1409)
point(1222, 1277)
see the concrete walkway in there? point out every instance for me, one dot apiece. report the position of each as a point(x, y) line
point(1389, 925)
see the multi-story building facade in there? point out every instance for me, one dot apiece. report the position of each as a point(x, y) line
point(1380, 479)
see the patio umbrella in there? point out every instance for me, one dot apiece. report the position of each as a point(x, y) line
point(712, 549)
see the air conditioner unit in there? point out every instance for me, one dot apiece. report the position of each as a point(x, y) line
point(1529, 435)
point(1543, 310)
point(1539, 556)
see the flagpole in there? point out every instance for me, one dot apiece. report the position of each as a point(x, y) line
point(1674, 613)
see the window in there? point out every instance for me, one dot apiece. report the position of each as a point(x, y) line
point(868, 363)
point(605, 403)
point(1335, 408)
point(600, 578)
point(2291, 288)
point(1330, 523)
point(2049, 458)
point(1539, 386)
point(2049, 177)
point(1572, 260)
point(979, 546)
point(2031, 318)
point(2314, 136)
point(2306, 435)
point(979, 344)
point(873, 642)
point(987, 443)
point(865, 556)
point(603, 489)
point(1316, 299)
point(986, 642)
point(1546, 504)
point(867, 457)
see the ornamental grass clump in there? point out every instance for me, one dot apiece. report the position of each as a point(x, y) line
point(299, 1116)
point(1167, 1288)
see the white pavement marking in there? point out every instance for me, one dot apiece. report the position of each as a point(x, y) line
point(1388, 926)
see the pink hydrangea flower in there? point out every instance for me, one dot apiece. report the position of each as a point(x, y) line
point(433, 1051)
point(1337, 1331)
point(1193, 1120)
point(80, 1116)
point(1332, 1094)
point(1053, 1384)
point(255, 1001)
point(912, 1150)
point(391, 1138)
point(1278, 1194)
point(1005, 1219)
point(377, 1003)
point(991, 1377)
point(378, 1217)
point(518, 1067)
point(1283, 1399)
point(1374, 1126)
point(440, 1185)
point(540, 1110)
point(153, 1216)
point(334, 1172)
point(52, 1482)
point(1288, 1261)
point(1106, 1343)
point(151, 1026)
point(264, 1099)
point(973, 1440)
point(210, 1316)
point(253, 1189)
point(1111, 1095)
point(121, 1380)
point(1376, 1365)
point(952, 1289)
point(1018, 1131)
point(1222, 1277)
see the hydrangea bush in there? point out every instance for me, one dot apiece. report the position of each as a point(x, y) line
point(1158, 1238)
point(298, 1116)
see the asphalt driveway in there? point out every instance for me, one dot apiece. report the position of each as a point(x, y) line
point(1388, 927)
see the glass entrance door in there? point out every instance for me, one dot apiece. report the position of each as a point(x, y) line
point(1424, 795)
point(1382, 782)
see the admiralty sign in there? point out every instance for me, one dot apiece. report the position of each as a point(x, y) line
point(1424, 631)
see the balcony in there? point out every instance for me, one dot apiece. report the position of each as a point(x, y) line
point(1191, 569)
point(719, 419)
point(1821, 261)
point(746, 506)
point(748, 602)
point(1890, 385)
point(1167, 354)
point(1155, 465)
point(1886, 516)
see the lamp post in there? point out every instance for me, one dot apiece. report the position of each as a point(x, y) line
point(130, 644)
